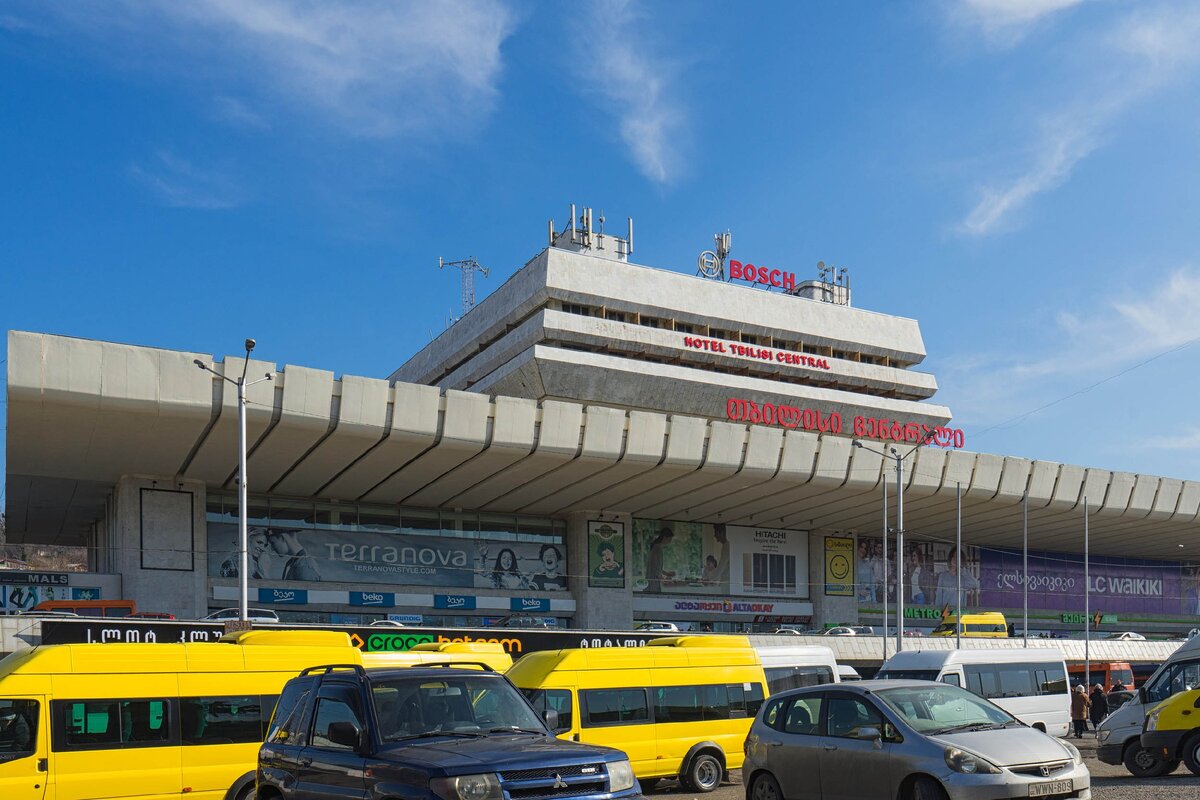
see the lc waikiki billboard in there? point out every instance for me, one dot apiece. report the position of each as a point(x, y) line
point(1115, 585)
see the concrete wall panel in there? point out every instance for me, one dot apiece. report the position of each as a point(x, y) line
point(217, 457)
point(1145, 490)
point(1043, 477)
point(304, 419)
point(1014, 479)
point(925, 475)
point(514, 426)
point(416, 414)
point(1189, 502)
point(362, 417)
point(1167, 499)
point(463, 434)
point(1068, 489)
point(1120, 490)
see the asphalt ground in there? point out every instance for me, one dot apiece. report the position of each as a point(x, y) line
point(1108, 782)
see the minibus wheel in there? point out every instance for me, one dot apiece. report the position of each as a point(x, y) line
point(1141, 763)
point(1191, 753)
point(704, 773)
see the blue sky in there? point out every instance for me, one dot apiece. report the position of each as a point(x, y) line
point(1019, 176)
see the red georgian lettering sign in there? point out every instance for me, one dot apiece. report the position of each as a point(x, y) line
point(756, 353)
point(809, 419)
point(764, 275)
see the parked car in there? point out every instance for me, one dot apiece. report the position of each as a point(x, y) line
point(255, 615)
point(387, 623)
point(425, 734)
point(788, 632)
point(1126, 636)
point(841, 630)
point(871, 738)
point(521, 621)
point(669, 627)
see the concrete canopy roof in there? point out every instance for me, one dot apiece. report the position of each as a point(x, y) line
point(81, 414)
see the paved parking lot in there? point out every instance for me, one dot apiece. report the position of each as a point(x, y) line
point(1108, 783)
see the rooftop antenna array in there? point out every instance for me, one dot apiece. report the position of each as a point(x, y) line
point(836, 282)
point(469, 267)
point(580, 235)
point(711, 263)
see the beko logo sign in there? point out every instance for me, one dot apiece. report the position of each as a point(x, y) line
point(372, 599)
point(530, 604)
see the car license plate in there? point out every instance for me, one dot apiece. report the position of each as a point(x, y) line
point(1049, 788)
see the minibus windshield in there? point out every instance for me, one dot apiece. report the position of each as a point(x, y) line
point(410, 708)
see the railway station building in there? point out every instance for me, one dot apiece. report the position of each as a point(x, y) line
point(595, 443)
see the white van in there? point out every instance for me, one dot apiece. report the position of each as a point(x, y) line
point(1120, 732)
point(1030, 684)
point(794, 666)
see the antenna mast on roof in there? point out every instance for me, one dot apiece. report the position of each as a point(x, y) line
point(469, 267)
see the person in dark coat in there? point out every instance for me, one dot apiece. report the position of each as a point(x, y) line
point(1099, 708)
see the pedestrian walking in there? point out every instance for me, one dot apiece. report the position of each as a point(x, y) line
point(1080, 703)
point(1099, 705)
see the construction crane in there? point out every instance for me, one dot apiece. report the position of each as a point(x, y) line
point(469, 267)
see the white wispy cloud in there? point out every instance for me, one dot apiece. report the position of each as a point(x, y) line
point(1187, 440)
point(374, 68)
point(1091, 343)
point(635, 85)
point(1006, 22)
point(239, 114)
point(1137, 55)
point(178, 183)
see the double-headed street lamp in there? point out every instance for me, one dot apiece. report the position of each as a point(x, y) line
point(894, 453)
point(243, 535)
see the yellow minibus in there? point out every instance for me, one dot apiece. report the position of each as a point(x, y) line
point(680, 706)
point(155, 721)
point(985, 625)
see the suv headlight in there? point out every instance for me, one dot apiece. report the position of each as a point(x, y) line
point(968, 763)
point(620, 776)
point(1152, 721)
point(468, 787)
point(1076, 756)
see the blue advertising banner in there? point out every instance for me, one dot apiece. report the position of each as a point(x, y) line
point(297, 596)
point(461, 602)
point(384, 599)
point(530, 604)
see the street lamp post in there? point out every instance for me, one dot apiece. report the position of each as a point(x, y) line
point(894, 453)
point(243, 527)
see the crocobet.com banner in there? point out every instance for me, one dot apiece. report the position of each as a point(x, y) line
point(317, 554)
point(672, 557)
point(1120, 585)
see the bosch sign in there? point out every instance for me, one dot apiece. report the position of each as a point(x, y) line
point(768, 277)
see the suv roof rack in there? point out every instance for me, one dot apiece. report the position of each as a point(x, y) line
point(480, 664)
point(328, 668)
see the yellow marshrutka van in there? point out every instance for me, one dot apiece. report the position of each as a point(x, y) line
point(985, 625)
point(98, 721)
point(679, 707)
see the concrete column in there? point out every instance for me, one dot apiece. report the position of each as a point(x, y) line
point(827, 609)
point(598, 608)
point(159, 544)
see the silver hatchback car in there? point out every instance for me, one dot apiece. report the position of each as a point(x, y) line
point(915, 740)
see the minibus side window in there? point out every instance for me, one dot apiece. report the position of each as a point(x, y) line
point(221, 720)
point(18, 728)
point(103, 724)
point(754, 698)
point(678, 704)
point(614, 706)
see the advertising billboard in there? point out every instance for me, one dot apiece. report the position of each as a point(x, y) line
point(930, 577)
point(671, 557)
point(321, 554)
point(606, 554)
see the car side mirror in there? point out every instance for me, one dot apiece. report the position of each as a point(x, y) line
point(551, 717)
point(1141, 693)
point(869, 733)
point(347, 734)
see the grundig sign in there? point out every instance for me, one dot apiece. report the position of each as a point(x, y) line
point(885, 430)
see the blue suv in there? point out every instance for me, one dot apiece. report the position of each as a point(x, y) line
point(425, 733)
